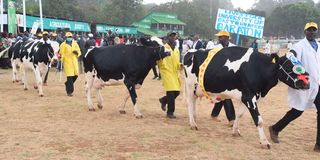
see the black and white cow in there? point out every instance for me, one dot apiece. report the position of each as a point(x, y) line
point(33, 54)
point(128, 64)
point(243, 74)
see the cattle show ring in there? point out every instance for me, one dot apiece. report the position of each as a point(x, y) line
point(74, 89)
point(59, 127)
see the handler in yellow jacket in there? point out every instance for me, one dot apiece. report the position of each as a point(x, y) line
point(70, 51)
point(169, 69)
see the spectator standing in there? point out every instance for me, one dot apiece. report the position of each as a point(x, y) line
point(254, 44)
point(197, 44)
point(267, 48)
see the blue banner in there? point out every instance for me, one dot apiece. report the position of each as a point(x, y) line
point(240, 23)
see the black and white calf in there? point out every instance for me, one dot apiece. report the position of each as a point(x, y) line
point(33, 54)
point(243, 74)
point(128, 64)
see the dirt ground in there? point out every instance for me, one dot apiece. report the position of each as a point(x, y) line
point(59, 127)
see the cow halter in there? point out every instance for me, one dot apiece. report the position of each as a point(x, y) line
point(288, 73)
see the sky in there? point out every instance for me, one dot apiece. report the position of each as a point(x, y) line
point(243, 4)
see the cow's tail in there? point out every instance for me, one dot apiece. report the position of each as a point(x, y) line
point(88, 60)
point(184, 91)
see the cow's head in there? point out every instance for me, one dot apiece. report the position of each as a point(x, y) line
point(292, 73)
point(157, 46)
point(46, 48)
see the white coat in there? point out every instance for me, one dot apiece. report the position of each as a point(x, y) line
point(267, 48)
point(310, 59)
point(220, 45)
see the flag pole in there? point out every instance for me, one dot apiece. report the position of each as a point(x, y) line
point(1, 14)
point(41, 20)
point(24, 16)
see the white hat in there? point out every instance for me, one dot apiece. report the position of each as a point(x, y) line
point(90, 35)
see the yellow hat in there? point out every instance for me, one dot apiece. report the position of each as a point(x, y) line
point(54, 34)
point(39, 35)
point(311, 24)
point(68, 34)
point(223, 33)
point(44, 32)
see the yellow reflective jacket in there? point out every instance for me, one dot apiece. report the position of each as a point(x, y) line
point(69, 59)
point(169, 69)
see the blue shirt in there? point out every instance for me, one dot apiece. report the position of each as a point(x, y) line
point(314, 44)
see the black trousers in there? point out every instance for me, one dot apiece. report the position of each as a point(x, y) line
point(293, 114)
point(169, 99)
point(69, 84)
point(228, 108)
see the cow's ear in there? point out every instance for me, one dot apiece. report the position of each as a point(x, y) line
point(274, 57)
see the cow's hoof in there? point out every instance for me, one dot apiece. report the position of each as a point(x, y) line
point(41, 95)
point(100, 106)
point(236, 134)
point(35, 87)
point(266, 146)
point(194, 128)
point(92, 109)
point(25, 89)
point(139, 116)
point(122, 112)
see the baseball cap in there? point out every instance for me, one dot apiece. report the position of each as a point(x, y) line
point(172, 34)
point(311, 24)
point(223, 33)
point(68, 34)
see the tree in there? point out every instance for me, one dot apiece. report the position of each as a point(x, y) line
point(196, 14)
point(123, 12)
point(290, 19)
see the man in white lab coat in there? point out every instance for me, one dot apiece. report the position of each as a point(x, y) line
point(308, 53)
point(223, 38)
point(267, 48)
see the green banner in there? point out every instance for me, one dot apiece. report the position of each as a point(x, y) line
point(101, 28)
point(12, 18)
point(54, 24)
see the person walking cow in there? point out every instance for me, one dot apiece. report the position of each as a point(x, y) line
point(308, 53)
point(223, 38)
point(169, 69)
point(70, 51)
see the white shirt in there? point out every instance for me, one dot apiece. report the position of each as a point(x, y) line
point(220, 45)
point(310, 59)
point(177, 43)
point(267, 48)
point(189, 43)
point(210, 45)
point(289, 46)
